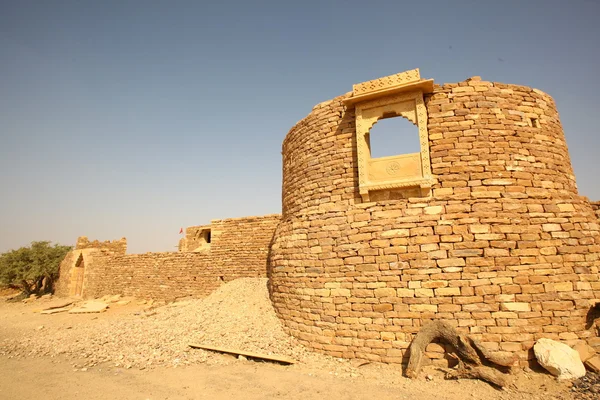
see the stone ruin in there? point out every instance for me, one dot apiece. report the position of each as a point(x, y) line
point(483, 227)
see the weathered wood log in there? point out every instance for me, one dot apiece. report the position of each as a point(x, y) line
point(268, 357)
point(475, 361)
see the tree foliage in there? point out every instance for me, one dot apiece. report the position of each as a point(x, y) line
point(33, 269)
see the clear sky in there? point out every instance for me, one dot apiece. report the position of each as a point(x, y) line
point(135, 118)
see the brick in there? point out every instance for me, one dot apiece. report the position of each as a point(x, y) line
point(451, 262)
point(385, 292)
point(448, 291)
point(593, 364)
point(340, 292)
point(432, 210)
point(405, 292)
point(515, 307)
point(551, 227)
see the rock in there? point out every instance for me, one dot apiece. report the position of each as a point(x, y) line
point(585, 352)
point(593, 364)
point(114, 299)
point(559, 359)
point(242, 358)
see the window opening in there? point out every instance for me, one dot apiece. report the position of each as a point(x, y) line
point(534, 122)
point(393, 135)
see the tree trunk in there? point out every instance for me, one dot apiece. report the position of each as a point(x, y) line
point(26, 286)
point(475, 361)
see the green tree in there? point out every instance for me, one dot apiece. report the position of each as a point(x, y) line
point(32, 269)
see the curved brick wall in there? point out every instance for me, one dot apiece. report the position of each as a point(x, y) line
point(505, 249)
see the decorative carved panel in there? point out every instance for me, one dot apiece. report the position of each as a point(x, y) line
point(398, 95)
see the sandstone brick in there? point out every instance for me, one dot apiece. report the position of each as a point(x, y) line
point(340, 292)
point(451, 262)
point(433, 210)
point(516, 307)
point(593, 364)
point(447, 291)
point(385, 292)
point(405, 292)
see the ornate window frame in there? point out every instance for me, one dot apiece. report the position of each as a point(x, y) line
point(397, 95)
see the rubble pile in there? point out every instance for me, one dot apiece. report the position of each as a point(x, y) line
point(587, 387)
point(238, 315)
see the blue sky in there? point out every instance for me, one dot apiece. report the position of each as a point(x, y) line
point(136, 118)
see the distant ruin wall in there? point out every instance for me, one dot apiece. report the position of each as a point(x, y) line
point(62, 287)
point(197, 238)
point(504, 248)
point(238, 248)
point(164, 276)
point(72, 278)
point(115, 246)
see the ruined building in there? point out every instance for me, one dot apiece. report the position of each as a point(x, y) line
point(483, 227)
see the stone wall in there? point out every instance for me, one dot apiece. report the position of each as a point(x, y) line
point(238, 248)
point(164, 276)
point(504, 249)
point(72, 278)
point(242, 244)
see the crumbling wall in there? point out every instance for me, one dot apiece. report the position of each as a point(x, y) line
point(115, 246)
point(504, 249)
point(72, 273)
point(62, 286)
point(195, 239)
point(238, 248)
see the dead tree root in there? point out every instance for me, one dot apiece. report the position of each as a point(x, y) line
point(474, 360)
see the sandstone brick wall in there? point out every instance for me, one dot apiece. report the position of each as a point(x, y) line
point(505, 249)
point(66, 284)
point(238, 248)
point(242, 244)
point(164, 276)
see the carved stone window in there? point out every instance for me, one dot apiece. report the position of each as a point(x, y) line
point(399, 176)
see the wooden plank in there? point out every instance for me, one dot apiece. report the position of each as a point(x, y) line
point(55, 310)
point(281, 359)
point(59, 305)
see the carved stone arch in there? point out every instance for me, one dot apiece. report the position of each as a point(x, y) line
point(404, 98)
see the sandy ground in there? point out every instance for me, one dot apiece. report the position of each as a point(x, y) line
point(57, 379)
point(26, 373)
